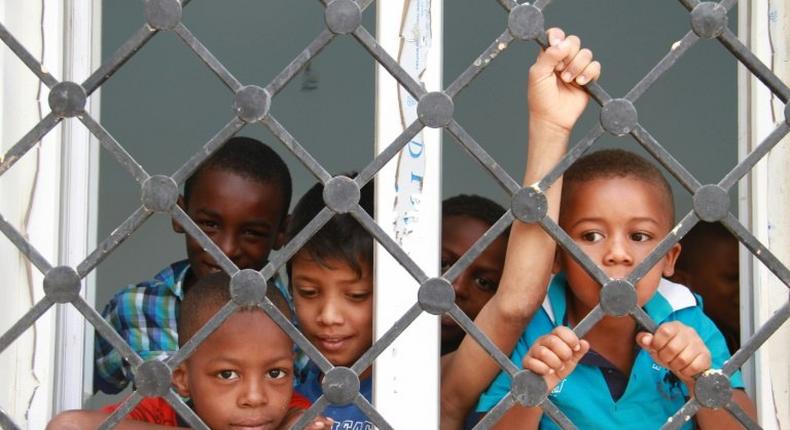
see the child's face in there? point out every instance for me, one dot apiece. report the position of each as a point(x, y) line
point(478, 283)
point(334, 307)
point(716, 280)
point(616, 222)
point(241, 376)
point(242, 216)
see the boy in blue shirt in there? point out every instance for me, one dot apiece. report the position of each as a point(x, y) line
point(332, 287)
point(617, 207)
point(240, 198)
point(555, 102)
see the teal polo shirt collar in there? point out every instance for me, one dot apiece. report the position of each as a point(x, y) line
point(669, 297)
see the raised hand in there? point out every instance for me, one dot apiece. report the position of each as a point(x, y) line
point(554, 88)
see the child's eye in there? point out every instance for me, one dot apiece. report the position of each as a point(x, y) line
point(277, 373)
point(207, 225)
point(257, 234)
point(640, 237)
point(485, 284)
point(446, 264)
point(227, 374)
point(359, 297)
point(591, 236)
point(306, 292)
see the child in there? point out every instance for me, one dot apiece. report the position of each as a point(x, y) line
point(465, 218)
point(240, 376)
point(240, 198)
point(708, 265)
point(617, 207)
point(555, 102)
point(332, 288)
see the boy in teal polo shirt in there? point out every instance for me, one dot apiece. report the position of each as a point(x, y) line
point(617, 207)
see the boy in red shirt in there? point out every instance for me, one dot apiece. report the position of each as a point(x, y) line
point(239, 377)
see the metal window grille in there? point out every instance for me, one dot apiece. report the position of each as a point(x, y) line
point(618, 116)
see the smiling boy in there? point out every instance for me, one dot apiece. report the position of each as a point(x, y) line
point(332, 284)
point(239, 197)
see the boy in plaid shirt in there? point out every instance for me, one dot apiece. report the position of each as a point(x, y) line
point(240, 198)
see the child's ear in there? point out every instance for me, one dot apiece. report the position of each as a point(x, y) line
point(181, 380)
point(279, 241)
point(176, 226)
point(672, 258)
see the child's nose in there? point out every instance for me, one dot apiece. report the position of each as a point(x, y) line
point(330, 313)
point(618, 253)
point(460, 285)
point(229, 245)
point(254, 394)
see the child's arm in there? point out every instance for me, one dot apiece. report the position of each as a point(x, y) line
point(553, 356)
point(679, 348)
point(555, 103)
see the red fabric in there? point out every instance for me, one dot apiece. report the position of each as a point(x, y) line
point(299, 401)
point(156, 410)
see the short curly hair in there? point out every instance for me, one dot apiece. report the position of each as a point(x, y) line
point(617, 163)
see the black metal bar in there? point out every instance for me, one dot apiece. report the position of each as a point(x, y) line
point(682, 416)
point(123, 410)
point(296, 148)
point(209, 327)
point(760, 70)
point(308, 348)
point(25, 247)
point(366, 359)
point(107, 332)
point(118, 152)
point(390, 151)
point(190, 166)
point(369, 42)
point(644, 319)
point(390, 245)
point(28, 141)
point(207, 57)
point(496, 413)
point(30, 61)
point(589, 321)
point(666, 159)
point(373, 415)
point(486, 161)
point(483, 341)
point(669, 60)
point(755, 156)
point(196, 233)
point(6, 423)
point(741, 416)
point(573, 154)
point(756, 247)
point(758, 338)
point(296, 243)
point(28, 319)
point(311, 413)
point(185, 412)
point(680, 230)
point(550, 409)
point(118, 58)
point(297, 64)
point(479, 246)
point(118, 236)
point(481, 62)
